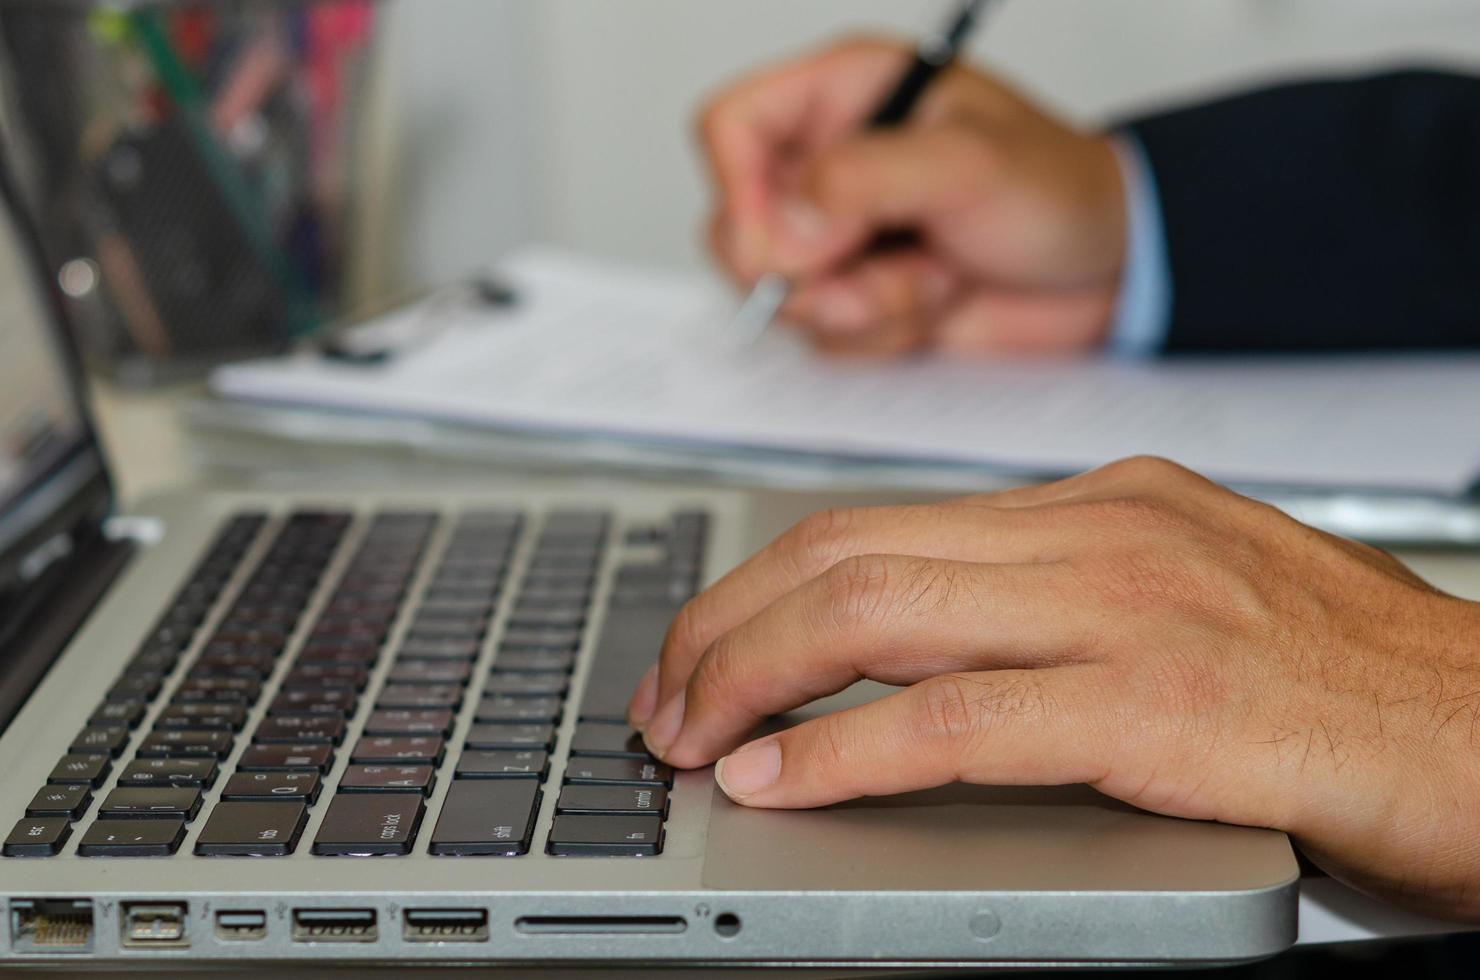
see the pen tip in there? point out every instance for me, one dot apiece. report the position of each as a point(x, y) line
point(759, 310)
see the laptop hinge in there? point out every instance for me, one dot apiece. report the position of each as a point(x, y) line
point(38, 621)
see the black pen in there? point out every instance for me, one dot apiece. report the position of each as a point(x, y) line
point(932, 57)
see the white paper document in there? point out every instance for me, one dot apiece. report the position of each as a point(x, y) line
point(597, 348)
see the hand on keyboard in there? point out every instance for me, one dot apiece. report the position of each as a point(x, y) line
point(1138, 629)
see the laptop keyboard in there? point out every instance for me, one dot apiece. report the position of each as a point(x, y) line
point(419, 594)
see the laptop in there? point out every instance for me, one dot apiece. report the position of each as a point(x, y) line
point(387, 726)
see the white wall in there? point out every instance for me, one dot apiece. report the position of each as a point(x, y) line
point(613, 84)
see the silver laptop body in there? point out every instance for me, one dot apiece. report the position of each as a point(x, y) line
point(385, 726)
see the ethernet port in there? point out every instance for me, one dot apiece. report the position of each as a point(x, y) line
point(51, 925)
point(155, 925)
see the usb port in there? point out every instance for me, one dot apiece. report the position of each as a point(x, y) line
point(241, 925)
point(445, 926)
point(155, 924)
point(334, 926)
point(44, 925)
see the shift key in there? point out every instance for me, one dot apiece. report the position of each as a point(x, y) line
point(370, 823)
point(487, 818)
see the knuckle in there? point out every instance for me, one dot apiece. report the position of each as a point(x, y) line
point(959, 712)
point(712, 117)
point(720, 674)
point(948, 710)
point(831, 747)
point(864, 43)
point(820, 539)
point(1153, 470)
point(859, 588)
point(687, 632)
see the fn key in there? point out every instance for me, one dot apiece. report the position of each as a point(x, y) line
point(575, 835)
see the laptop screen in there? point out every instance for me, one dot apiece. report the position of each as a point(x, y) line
point(46, 448)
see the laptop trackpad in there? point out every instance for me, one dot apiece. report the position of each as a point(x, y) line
point(981, 838)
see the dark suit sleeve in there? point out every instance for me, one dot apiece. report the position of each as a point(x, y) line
point(1323, 215)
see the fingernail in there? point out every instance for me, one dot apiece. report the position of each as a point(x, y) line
point(664, 727)
point(842, 311)
point(644, 700)
point(749, 769)
point(803, 221)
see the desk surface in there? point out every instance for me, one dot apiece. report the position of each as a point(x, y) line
point(148, 451)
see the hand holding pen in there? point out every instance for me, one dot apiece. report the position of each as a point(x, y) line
point(1003, 229)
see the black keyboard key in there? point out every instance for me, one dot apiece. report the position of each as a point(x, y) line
point(461, 628)
point(126, 713)
point(435, 721)
point(446, 608)
point(299, 787)
point(552, 595)
point(370, 823)
point(388, 779)
point(252, 829)
point(438, 649)
point(564, 561)
point(340, 703)
point(535, 663)
point(529, 710)
point(353, 654)
point(257, 665)
point(258, 638)
point(135, 803)
point(615, 800)
point(504, 764)
point(617, 741)
point(204, 714)
point(416, 697)
point(579, 835)
point(241, 690)
point(618, 772)
point(60, 801)
point(142, 686)
point(186, 742)
point(442, 590)
point(132, 838)
point(487, 818)
point(552, 640)
point(302, 729)
point(629, 643)
point(100, 740)
point(37, 837)
point(535, 618)
point(332, 676)
point(515, 685)
point(90, 769)
point(430, 672)
point(393, 749)
point(158, 660)
point(170, 772)
point(515, 737)
point(284, 758)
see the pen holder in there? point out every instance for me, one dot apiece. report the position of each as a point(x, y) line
point(190, 165)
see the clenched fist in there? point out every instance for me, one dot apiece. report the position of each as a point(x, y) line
point(1013, 222)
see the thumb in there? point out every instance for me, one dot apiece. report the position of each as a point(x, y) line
point(1006, 727)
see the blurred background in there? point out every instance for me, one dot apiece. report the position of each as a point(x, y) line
point(342, 152)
